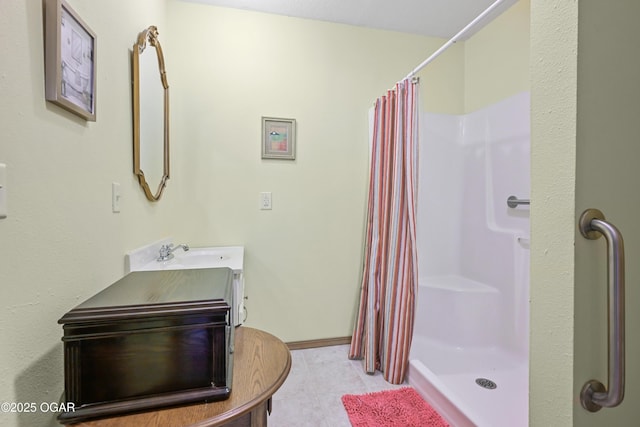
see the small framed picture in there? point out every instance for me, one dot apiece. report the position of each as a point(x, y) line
point(278, 138)
point(70, 60)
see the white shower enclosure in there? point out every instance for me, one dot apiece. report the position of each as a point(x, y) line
point(469, 357)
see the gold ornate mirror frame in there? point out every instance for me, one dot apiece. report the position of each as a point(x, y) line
point(150, 35)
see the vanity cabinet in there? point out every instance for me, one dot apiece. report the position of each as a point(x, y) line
point(261, 363)
point(152, 339)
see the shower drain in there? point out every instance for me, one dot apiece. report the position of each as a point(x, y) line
point(486, 383)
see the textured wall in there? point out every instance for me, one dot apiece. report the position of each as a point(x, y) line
point(303, 257)
point(496, 59)
point(225, 71)
point(553, 136)
point(61, 243)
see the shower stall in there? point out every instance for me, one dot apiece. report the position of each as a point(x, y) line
point(469, 355)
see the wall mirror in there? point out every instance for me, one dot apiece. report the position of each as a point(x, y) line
point(150, 114)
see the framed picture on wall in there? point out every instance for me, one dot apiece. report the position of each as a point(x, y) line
point(70, 60)
point(278, 138)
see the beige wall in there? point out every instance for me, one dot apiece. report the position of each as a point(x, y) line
point(442, 81)
point(61, 243)
point(554, 32)
point(584, 155)
point(226, 69)
point(231, 67)
point(496, 59)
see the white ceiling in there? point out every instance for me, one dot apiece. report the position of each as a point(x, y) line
point(436, 18)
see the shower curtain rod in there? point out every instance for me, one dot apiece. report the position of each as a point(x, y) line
point(454, 39)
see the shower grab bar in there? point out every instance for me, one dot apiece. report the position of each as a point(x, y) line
point(594, 395)
point(513, 201)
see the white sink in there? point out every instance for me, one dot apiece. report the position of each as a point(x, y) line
point(208, 257)
point(145, 259)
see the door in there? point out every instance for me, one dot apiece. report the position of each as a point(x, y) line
point(607, 178)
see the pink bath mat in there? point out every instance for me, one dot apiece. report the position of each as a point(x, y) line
point(391, 408)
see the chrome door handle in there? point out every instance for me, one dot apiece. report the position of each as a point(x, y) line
point(594, 394)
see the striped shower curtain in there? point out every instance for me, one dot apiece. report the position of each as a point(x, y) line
point(384, 326)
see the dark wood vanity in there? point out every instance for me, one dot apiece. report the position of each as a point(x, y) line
point(261, 365)
point(152, 339)
point(158, 349)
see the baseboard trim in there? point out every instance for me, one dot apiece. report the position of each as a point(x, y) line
point(325, 342)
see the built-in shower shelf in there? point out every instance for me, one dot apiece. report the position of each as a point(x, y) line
point(475, 306)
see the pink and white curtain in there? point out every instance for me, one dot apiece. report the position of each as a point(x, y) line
point(384, 326)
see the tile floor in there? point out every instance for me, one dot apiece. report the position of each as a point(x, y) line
point(310, 396)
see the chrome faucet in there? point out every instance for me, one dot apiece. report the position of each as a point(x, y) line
point(166, 251)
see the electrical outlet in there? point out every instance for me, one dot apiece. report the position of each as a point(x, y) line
point(265, 200)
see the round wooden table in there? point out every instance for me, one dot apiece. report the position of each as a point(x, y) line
point(261, 363)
